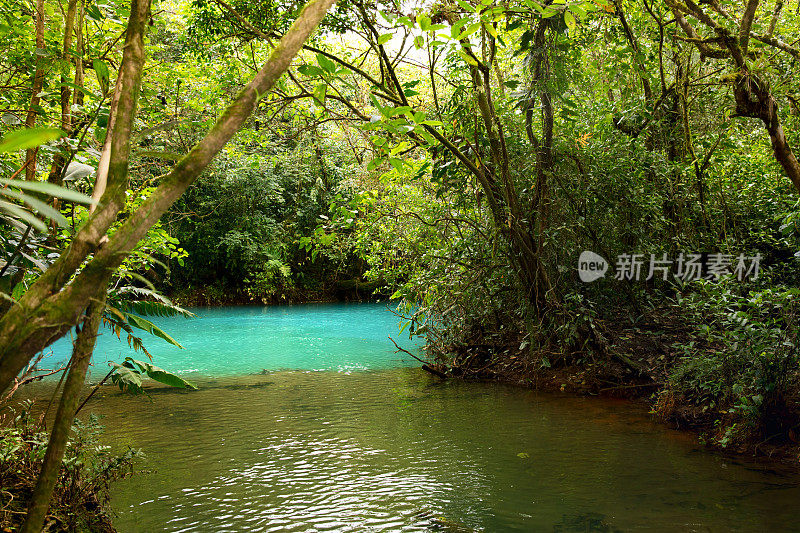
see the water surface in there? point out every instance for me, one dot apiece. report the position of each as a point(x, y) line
point(344, 434)
point(227, 341)
point(397, 450)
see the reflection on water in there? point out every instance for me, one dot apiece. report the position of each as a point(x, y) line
point(397, 450)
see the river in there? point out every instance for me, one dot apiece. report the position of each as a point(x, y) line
point(307, 420)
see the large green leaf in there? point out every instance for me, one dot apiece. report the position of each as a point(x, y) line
point(23, 214)
point(28, 138)
point(146, 325)
point(326, 63)
point(127, 379)
point(41, 207)
point(49, 189)
point(160, 305)
point(101, 69)
point(159, 374)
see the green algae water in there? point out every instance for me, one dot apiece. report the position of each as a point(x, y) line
point(343, 434)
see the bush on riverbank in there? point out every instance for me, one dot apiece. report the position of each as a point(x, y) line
point(720, 359)
point(81, 497)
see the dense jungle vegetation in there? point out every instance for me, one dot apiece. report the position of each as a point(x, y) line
point(458, 156)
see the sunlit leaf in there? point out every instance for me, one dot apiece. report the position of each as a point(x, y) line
point(28, 138)
point(49, 189)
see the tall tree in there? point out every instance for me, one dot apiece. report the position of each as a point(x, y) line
point(754, 98)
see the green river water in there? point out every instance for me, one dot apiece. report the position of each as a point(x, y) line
point(357, 439)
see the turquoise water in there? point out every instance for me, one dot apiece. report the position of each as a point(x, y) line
point(227, 341)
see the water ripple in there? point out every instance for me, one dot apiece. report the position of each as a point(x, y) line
point(398, 451)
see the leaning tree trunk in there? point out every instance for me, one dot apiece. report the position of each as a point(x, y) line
point(753, 100)
point(50, 307)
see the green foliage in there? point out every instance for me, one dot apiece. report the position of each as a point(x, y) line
point(252, 219)
point(125, 308)
point(81, 496)
point(28, 138)
point(128, 376)
point(744, 362)
point(20, 215)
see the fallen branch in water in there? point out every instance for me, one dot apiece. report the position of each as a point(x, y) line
point(428, 367)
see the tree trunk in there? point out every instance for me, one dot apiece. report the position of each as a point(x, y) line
point(101, 178)
point(51, 466)
point(66, 94)
point(780, 146)
point(46, 311)
point(38, 81)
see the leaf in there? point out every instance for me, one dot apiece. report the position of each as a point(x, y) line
point(326, 63)
point(161, 375)
point(465, 6)
point(569, 20)
point(424, 22)
point(150, 308)
point(49, 189)
point(310, 70)
point(101, 69)
point(126, 379)
point(26, 216)
point(40, 207)
point(385, 38)
point(146, 325)
point(419, 42)
point(41, 266)
point(396, 163)
point(10, 119)
point(375, 163)
point(94, 12)
point(28, 138)
point(399, 148)
point(319, 93)
point(472, 28)
point(467, 58)
point(78, 171)
point(399, 110)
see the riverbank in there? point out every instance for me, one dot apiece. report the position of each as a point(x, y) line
point(648, 362)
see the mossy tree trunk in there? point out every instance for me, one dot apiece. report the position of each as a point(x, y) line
point(57, 445)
